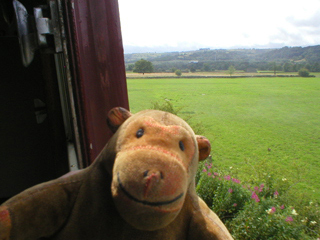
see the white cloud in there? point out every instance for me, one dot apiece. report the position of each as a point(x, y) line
point(219, 24)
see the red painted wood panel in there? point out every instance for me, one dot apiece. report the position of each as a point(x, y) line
point(98, 67)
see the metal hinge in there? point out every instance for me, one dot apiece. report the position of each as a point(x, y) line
point(36, 31)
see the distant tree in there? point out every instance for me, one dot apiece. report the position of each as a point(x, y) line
point(224, 65)
point(206, 67)
point(178, 72)
point(303, 72)
point(315, 67)
point(143, 66)
point(192, 69)
point(130, 67)
point(287, 67)
point(274, 68)
point(173, 69)
point(242, 66)
point(231, 70)
point(307, 66)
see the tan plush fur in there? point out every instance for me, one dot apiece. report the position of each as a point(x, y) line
point(141, 186)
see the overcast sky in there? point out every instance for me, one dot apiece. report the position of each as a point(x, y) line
point(181, 25)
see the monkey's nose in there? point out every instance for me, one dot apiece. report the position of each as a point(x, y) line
point(153, 174)
point(152, 180)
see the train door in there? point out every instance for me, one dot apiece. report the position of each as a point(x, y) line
point(62, 69)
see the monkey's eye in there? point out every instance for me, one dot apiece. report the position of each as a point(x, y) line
point(140, 133)
point(181, 145)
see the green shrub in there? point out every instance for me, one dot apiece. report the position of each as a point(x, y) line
point(266, 220)
point(224, 194)
point(166, 106)
point(303, 72)
point(309, 214)
point(178, 72)
point(257, 211)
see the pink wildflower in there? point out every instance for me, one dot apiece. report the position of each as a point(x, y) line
point(210, 166)
point(216, 174)
point(261, 187)
point(209, 173)
point(227, 177)
point(276, 194)
point(289, 219)
point(235, 204)
point(256, 188)
point(230, 190)
point(282, 207)
point(204, 170)
point(255, 197)
point(235, 180)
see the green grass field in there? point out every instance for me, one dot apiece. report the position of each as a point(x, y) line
point(257, 126)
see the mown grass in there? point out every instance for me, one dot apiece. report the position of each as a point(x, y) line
point(251, 122)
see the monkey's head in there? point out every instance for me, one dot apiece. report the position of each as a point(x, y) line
point(157, 155)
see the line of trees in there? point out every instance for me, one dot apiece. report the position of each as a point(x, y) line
point(144, 66)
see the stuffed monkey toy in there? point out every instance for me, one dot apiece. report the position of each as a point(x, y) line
point(141, 186)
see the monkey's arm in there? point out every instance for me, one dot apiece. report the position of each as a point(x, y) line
point(206, 225)
point(38, 211)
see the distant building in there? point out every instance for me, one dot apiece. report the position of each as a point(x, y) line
point(204, 49)
point(195, 61)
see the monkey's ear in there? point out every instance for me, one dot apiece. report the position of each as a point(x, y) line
point(116, 117)
point(204, 147)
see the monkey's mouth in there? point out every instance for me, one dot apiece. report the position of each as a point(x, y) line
point(153, 204)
